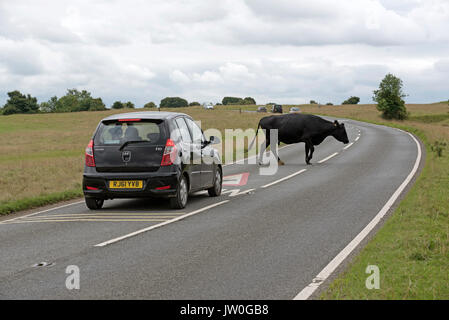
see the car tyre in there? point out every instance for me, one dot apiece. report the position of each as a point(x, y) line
point(215, 191)
point(182, 194)
point(93, 203)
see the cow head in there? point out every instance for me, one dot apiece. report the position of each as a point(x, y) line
point(339, 132)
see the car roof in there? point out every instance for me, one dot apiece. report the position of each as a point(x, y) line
point(158, 115)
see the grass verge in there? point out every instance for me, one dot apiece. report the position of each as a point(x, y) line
point(38, 201)
point(412, 247)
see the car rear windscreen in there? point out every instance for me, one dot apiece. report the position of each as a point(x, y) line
point(117, 132)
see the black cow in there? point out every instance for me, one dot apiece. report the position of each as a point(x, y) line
point(294, 128)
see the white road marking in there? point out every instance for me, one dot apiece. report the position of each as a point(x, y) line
point(132, 234)
point(33, 214)
point(253, 156)
point(330, 268)
point(327, 158)
point(349, 145)
point(283, 179)
point(236, 192)
point(86, 220)
point(358, 137)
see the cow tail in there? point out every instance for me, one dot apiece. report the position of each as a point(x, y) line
point(252, 142)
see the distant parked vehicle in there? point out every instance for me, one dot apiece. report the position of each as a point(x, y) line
point(277, 108)
point(208, 106)
point(261, 109)
point(295, 110)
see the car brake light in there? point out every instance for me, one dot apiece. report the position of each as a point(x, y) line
point(128, 120)
point(169, 156)
point(90, 161)
point(163, 188)
point(91, 188)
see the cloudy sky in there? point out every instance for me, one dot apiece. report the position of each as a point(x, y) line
point(283, 51)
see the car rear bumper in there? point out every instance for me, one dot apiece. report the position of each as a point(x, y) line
point(97, 185)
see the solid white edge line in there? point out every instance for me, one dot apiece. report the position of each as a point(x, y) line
point(332, 266)
point(285, 178)
point(327, 158)
point(349, 145)
point(132, 234)
point(32, 214)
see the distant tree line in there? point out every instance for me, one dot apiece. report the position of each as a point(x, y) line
point(389, 98)
point(238, 101)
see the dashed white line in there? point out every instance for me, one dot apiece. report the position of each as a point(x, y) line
point(330, 268)
point(327, 158)
point(358, 137)
point(237, 192)
point(283, 179)
point(132, 234)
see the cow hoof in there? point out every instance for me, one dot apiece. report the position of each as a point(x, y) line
point(281, 163)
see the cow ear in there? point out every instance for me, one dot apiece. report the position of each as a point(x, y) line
point(336, 123)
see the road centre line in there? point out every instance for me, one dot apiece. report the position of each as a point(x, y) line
point(340, 257)
point(327, 158)
point(358, 137)
point(253, 156)
point(283, 179)
point(132, 234)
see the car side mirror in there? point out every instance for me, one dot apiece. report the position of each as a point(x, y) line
point(214, 140)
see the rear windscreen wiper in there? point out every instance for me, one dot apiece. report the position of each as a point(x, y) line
point(129, 142)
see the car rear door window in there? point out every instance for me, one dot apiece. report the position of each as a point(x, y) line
point(197, 134)
point(185, 134)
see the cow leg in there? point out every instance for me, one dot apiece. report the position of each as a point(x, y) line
point(280, 162)
point(307, 152)
point(262, 150)
point(312, 149)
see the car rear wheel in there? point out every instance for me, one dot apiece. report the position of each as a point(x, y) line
point(94, 204)
point(215, 191)
point(182, 193)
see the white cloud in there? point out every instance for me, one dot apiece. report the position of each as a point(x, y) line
point(284, 50)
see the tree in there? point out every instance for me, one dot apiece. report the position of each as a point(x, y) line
point(129, 104)
point(389, 98)
point(232, 100)
point(194, 103)
point(117, 105)
point(150, 105)
point(329, 104)
point(249, 100)
point(76, 100)
point(351, 100)
point(173, 102)
point(20, 103)
point(97, 105)
point(49, 106)
point(313, 102)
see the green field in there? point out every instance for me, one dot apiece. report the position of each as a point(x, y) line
point(42, 157)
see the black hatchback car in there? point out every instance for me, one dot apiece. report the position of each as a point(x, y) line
point(150, 154)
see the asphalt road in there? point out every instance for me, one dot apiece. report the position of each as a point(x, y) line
point(257, 241)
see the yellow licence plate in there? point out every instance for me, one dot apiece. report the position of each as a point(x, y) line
point(125, 184)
